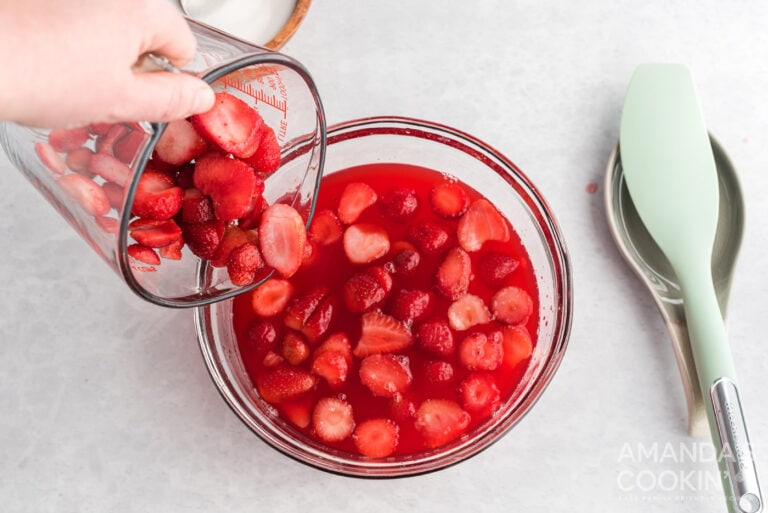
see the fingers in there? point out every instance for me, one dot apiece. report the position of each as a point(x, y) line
point(168, 34)
point(161, 97)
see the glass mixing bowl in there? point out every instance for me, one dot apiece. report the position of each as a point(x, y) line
point(420, 143)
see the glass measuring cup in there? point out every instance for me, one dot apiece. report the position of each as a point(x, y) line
point(278, 87)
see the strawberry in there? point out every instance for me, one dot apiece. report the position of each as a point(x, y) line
point(229, 182)
point(449, 200)
point(339, 343)
point(381, 334)
point(143, 253)
point(382, 275)
point(356, 197)
point(302, 308)
point(454, 274)
point(154, 234)
point(203, 238)
point(318, 323)
point(438, 372)
point(79, 161)
point(399, 204)
point(517, 344)
point(114, 194)
point(512, 305)
point(99, 128)
point(173, 250)
point(108, 224)
point(88, 194)
point(50, 158)
point(406, 260)
point(411, 305)
point(271, 297)
point(183, 175)
point(111, 169)
point(266, 159)
point(127, 147)
point(332, 419)
point(479, 394)
point(493, 268)
point(196, 207)
point(284, 383)
point(179, 143)
point(261, 336)
point(480, 223)
point(468, 311)
point(294, 349)
point(376, 438)
point(255, 210)
point(282, 236)
point(243, 263)
point(362, 292)
point(232, 125)
point(325, 228)
point(332, 366)
point(156, 195)
point(479, 351)
point(429, 237)
point(364, 243)
point(272, 359)
point(233, 238)
point(298, 411)
point(402, 408)
point(105, 141)
point(440, 421)
point(435, 337)
point(65, 140)
point(386, 374)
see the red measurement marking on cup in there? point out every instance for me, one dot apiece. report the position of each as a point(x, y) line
point(258, 94)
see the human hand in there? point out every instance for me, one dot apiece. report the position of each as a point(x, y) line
point(67, 64)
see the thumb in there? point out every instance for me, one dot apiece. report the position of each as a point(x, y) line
point(163, 96)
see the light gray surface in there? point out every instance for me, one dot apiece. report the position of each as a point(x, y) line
point(106, 404)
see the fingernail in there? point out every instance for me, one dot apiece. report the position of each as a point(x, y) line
point(204, 99)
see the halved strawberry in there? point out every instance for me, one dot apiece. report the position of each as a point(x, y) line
point(180, 143)
point(332, 419)
point(331, 365)
point(298, 411)
point(65, 140)
point(365, 242)
point(376, 438)
point(402, 408)
point(196, 207)
point(127, 147)
point(356, 197)
point(272, 359)
point(512, 305)
point(154, 234)
point(493, 267)
point(479, 394)
point(243, 262)
point(105, 141)
point(440, 421)
point(229, 182)
point(261, 337)
point(438, 372)
point(231, 124)
point(406, 259)
point(480, 223)
point(86, 192)
point(429, 237)
point(318, 323)
point(266, 159)
point(399, 203)
point(255, 209)
point(325, 228)
point(284, 383)
point(108, 224)
point(411, 305)
point(362, 292)
point(386, 374)
point(143, 254)
point(114, 194)
point(435, 337)
point(337, 342)
point(449, 200)
point(271, 297)
point(157, 197)
point(233, 238)
point(50, 158)
point(79, 161)
point(99, 128)
point(468, 311)
point(294, 348)
point(203, 238)
point(111, 169)
point(282, 236)
point(479, 351)
point(454, 274)
point(173, 250)
point(381, 334)
point(518, 345)
point(301, 308)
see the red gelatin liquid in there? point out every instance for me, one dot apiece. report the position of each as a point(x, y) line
point(460, 376)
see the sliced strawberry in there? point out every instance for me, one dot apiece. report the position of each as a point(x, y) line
point(325, 228)
point(183, 175)
point(332, 419)
point(480, 223)
point(438, 372)
point(255, 209)
point(105, 141)
point(154, 234)
point(99, 128)
point(429, 237)
point(364, 243)
point(89, 195)
point(298, 411)
point(386, 374)
point(337, 342)
point(65, 140)
point(406, 259)
point(435, 337)
point(468, 311)
point(229, 182)
point(50, 158)
point(261, 336)
point(454, 274)
point(479, 394)
point(512, 305)
point(376, 438)
point(173, 250)
point(518, 345)
point(479, 351)
point(271, 297)
point(197, 208)
point(382, 334)
point(79, 161)
point(111, 169)
point(156, 195)
point(440, 421)
point(411, 305)
point(243, 263)
point(318, 323)
point(282, 236)
point(114, 194)
point(294, 348)
point(449, 200)
point(284, 383)
point(399, 204)
point(231, 124)
point(493, 268)
point(180, 143)
point(266, 159)
point(331, 365)
point(402, 408)
point(233, 238)
point(356, 197)
point(203, 238)
point(362, 292)
point(143, 253)
point(127, 147)
point(301, 309)
point(108, 224)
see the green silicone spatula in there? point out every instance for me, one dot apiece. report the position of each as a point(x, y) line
point(672, 179)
